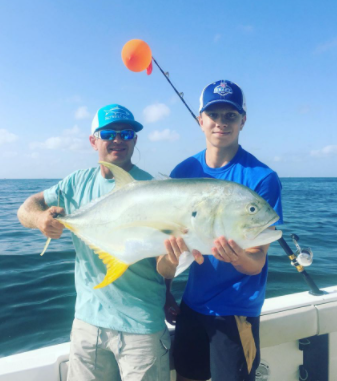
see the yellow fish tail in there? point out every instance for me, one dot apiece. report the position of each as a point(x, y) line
point(115, 269)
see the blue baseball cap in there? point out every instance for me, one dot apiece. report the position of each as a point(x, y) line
point(111, 114)
point(223, 91)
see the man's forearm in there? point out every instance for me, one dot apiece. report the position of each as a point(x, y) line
point(30, 210)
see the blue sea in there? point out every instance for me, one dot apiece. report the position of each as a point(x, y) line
point(37, 293)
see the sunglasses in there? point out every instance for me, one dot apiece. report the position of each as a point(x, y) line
point(111, 134)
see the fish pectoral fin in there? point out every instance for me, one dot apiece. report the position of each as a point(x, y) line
point(121, 177)
point(115, 268)
point(185, 261)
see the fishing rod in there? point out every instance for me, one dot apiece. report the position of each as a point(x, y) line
point(137, 56)
point(180, 95)
point(300, 259)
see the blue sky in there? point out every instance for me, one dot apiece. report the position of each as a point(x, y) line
point(61, 60)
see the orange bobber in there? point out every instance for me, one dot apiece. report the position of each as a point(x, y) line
point(136, 55)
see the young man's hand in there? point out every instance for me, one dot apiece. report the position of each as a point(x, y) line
point(249, 261)
point(227, 250)
point(167, 264)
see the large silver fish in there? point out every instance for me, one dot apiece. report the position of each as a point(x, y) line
point(132, 221)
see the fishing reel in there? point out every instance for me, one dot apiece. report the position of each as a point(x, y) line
point(300, 259)
point(304, 256)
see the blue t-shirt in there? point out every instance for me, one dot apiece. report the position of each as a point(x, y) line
point(216, 287)
point(134, 302)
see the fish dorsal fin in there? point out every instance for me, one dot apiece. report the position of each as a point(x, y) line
point(121, 177)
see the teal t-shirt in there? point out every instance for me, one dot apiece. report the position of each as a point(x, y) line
point(135, 301)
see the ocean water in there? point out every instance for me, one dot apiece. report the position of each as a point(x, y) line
point(37, 294)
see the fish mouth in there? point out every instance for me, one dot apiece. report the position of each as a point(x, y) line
point(255, 231)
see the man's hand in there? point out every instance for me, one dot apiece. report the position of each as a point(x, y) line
point(250, 261)
point(47, 223)
point(227, 251)
point(167, 264)
point(176, 246)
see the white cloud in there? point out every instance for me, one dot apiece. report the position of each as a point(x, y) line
point(82, 113)
point(9, 154)
point(70, 140)
point(7, 137)
point(324, 152)
point(72, 131)
point(64, 143)
point(155, 112)
point(217, 38)
point(277, 158)
point(322, 48)
point(246, 28)
point(166, 134)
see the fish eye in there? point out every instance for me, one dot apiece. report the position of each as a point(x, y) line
point(252, 208)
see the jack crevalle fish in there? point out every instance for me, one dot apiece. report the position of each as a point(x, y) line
point(132, 221)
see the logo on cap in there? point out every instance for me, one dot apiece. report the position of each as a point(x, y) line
point(223, 89)
point(117, 113)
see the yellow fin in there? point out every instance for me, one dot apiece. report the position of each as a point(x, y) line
point(46, 246)
point(121, 177)
point(115, 268)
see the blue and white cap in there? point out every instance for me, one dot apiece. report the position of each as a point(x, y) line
point(223, 91)
point(114, 113)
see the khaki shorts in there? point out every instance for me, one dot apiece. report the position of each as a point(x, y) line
point(107, 355)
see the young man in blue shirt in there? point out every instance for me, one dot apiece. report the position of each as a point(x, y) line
point(217, 329)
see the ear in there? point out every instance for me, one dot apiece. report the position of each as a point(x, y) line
point(93, 142)
point(201, 122)
point(243, 121)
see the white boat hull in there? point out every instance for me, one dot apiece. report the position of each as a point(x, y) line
point(284, 321)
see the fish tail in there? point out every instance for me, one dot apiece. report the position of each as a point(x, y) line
point(46, 246)
point(115, 269)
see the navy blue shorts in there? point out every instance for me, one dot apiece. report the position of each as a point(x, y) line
point(209, 346)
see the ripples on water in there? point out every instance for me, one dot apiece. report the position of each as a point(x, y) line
point(38, 296)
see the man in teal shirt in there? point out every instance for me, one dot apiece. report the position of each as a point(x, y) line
point(119, 331)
